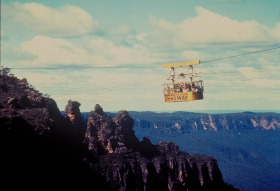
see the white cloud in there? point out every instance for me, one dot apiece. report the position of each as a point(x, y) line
point(141, 36)
point(103, 86)
point(66, 21)
point(190, 55)
point(107, 53)
point(48, 51)
point(122, 30)
point(266, 84)
point(210, 27)
point(249, 72)
point(114, 87)
point(2, 34)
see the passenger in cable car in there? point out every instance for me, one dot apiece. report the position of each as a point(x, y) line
point(172, 91)
point(187, 87)
point(181, 88)
point(193, 87)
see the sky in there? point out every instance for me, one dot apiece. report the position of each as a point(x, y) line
point(111, 52)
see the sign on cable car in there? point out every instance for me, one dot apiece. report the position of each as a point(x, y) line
point(180, 88)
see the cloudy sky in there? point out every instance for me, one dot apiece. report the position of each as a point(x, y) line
point(111, 52)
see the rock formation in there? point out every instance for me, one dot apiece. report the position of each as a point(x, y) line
point(40, 147)
point(128, 164)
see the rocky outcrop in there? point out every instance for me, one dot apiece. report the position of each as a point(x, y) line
point(73, 121)
point(39, 146)
point(19, 99)
point(130, 164)
point(107, 135)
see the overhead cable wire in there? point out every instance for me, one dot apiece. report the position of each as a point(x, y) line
point(243, 54)
point(81, 67)
point(136, 67)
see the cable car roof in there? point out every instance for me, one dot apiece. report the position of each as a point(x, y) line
point(181, 64)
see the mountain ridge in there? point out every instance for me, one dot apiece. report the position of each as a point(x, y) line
point(204, 121)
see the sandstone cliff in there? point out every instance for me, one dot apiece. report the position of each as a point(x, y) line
point(185, 121)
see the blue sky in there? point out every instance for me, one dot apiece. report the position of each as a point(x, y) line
point(126, 42)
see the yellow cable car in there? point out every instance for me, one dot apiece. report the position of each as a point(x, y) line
point(180, 89)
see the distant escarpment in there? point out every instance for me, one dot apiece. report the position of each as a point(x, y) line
point(41, 148)
point(183, 122)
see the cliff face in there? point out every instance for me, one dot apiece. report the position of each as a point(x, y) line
point(18, 99)
point(38, 145)
point(42, 147)
point(185, 121)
